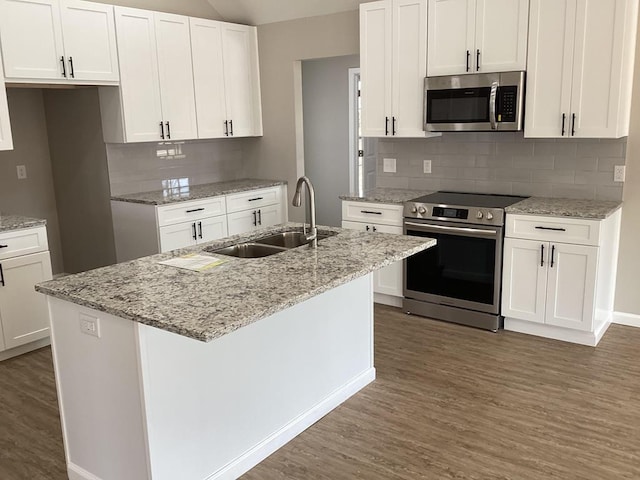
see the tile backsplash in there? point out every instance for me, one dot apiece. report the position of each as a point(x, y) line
point(143, 167)
point(506, 163)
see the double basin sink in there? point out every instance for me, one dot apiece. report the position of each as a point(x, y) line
point(268, 245)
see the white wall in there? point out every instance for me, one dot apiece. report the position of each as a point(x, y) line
point(325, 94)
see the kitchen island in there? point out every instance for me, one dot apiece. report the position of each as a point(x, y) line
point(167, 373)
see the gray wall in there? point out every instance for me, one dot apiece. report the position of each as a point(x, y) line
point(325, 100)
point(34, 196)
point(506, 163)
point(81, 179)
point(281, 46)
point(193, 8)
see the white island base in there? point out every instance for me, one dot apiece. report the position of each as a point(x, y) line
point(143, 403)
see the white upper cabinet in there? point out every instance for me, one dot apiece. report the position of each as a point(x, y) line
point(139, 78)
point(89, 41)
point(226, 78)
point(58, 41)
point(176, 76)
point(471, 36)
point(580, 68)
point(156, 100)
point(6, 140)
point(393, 38)
point(31, 38)
point(242, 82)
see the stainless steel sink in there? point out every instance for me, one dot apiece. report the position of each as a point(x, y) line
point(289, 239)
point(268, 245)
point(249, 250)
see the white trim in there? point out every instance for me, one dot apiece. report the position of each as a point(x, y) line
point(389, 300)
point(298, 117)
point(76, 473)
point(14, 352)
point(628, 319)
point(265, 448)
point(590, 339)
point(353, 126)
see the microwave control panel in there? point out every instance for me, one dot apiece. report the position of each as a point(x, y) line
point(508, 96)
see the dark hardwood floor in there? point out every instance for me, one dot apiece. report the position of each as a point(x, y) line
point(449, 402)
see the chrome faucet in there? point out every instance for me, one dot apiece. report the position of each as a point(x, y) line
point(312, 236)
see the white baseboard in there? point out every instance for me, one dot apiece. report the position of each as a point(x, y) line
point(77, 473)
point(628, 319)
point(14, 352)
point(252, 457)
point(590, 339)
point(389, 300)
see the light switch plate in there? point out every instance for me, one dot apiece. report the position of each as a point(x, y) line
point(389, 165)
point(619, 173)
point(426, 166)
point(90, 325)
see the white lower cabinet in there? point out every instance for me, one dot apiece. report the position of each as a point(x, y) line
point(24, 317)
point(144, 229)
point(556, 289)
point(387, 282)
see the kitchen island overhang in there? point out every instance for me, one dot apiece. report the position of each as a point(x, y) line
point(152, 398)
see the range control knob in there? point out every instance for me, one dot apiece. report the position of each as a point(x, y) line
point(489, 216)
point(414, 209)
point(422, 210)
point(479, 215)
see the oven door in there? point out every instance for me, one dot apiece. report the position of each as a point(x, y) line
point(463, 270)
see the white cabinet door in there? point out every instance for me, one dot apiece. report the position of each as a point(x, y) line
point(524, 279)
point(140, 85)
point(176, 76)
point(6, 140)
point(89, 41)
point(241, 222)
point(597, 66)
point(501, 35)
point(549, 69)
point(208, 77)
point(31, 39)
point(211, 228)
point(23, 311)
point(451, 37)
point(242, 82)
point(571, 291)
point(180, 235)
point(269, 215)
point(409, 66)
point(375, 68)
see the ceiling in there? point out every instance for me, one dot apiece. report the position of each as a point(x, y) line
point(259, 12)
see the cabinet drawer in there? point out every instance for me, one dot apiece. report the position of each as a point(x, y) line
point(379, 213)
point(253, 199)
point(554, 229)
point(23, 242)
point(188, 211)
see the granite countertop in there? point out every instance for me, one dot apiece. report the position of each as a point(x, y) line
point(565, 207)
point(17, 222)
point(196, 192)
point(207, 305)
point(386, 195)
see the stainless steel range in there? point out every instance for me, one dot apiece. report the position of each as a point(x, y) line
point(459, 280)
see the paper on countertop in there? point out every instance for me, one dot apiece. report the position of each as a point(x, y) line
point(194, 262)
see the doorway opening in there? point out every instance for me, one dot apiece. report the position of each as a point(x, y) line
point(362, 151)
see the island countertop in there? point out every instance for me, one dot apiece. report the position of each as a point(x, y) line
point(207, 305)
point(196, 192)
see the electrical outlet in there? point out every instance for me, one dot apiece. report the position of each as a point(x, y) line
point(89, 325)
point(389, 165)
point(22, 171)
point(618, 173)
point(426, 166)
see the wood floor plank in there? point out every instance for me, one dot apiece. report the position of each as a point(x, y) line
point(449, 402)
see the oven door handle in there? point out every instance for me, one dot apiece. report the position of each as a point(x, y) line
point(476, 232)
point(493, 100)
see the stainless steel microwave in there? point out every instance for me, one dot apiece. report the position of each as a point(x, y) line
point(480, 102)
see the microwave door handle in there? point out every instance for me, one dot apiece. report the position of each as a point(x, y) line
point(493, 99)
